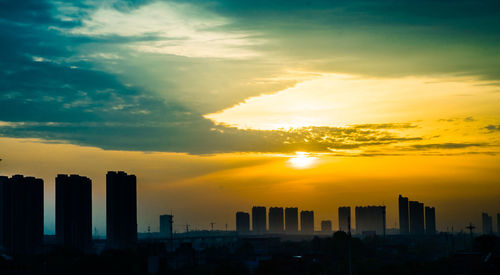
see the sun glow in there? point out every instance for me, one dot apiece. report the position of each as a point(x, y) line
point(302, 160)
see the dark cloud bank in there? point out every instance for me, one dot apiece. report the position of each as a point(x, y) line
point(45, 93)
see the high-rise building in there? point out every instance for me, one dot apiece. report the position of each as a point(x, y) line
point(498, 223)
point(404, 222)
point(121, 210)
point(166, 223)
point(74, 211)
point(242, 222)
point(370, 220)
point(326, 226)
point(276, 220)
point(21, 214)
point(291, 220)
point(487, 223)
point(5, 212)
point(430, 220)
point(345, 219)
point(259, 219)
point(307, 222)
point(416, 217)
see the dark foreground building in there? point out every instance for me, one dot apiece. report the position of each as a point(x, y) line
point(498, 223)
point(276, 220)
point(416, 218)
point(242, 222)
point(21, 214)
point(307, 222)
point(166, 223)
point(259, 220)
point(404, 221)
point(370, 220)
point(430, 220)
point(291, 220)
point(487, 223)
point(345, 219)
point(121, 210)
point(74, 211)
point(326, 226)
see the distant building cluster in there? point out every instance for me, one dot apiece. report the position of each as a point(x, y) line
point(370, 220)
point(414, 218)
point(280, 221)
point(21, 212)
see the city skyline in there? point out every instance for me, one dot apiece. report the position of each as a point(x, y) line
point(223, 105)
point(249, 136)
point(73, 196)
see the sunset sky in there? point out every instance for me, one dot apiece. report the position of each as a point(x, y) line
point(220, 105)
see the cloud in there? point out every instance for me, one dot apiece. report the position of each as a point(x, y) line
point(179, 29)
point(67, 99)
point(449, 145)
point(380, 38)
point(493, 128)
point(124, 76)
point(458, 119)
point(385, 126)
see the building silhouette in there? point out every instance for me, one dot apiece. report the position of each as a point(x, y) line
point(487, 223)
point(259, 219)
point(404, 222)
point(291, 220)
point(326, 226)
point(121, 210)
point(21, 214)
point(498, 223)
point(166, 223)
point(370, 220)
point(307, 222)
point(430, 220)
point(416, 217)
point(74, 212)
point(276, 220)
point(242, 222)
point(345, 219)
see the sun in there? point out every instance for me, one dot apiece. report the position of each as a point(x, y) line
point(302, 160)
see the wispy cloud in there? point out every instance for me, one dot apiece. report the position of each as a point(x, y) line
point(384, 126)
point(448, 145)
point(179, 29)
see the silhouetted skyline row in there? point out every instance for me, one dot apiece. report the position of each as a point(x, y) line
point(369, 220)
point(22, 213)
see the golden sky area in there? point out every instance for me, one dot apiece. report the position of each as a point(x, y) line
point(211, 188)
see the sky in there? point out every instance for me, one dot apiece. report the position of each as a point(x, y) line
point(221, 105)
